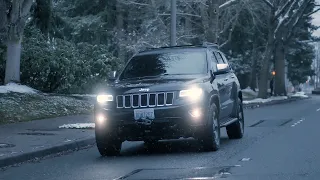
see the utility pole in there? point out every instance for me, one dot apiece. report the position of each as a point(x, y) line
point(173, 33)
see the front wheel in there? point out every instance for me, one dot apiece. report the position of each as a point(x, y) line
point(236, 129)
point(211, 136)
point(108, 145)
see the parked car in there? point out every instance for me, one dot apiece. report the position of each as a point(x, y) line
point(169, 93)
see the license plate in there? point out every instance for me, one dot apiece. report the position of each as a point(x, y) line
point(144, 114)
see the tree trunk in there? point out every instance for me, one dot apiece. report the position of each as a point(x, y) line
point(204, 19)
point(253, 79)
point(13, 61)
point(3, 18)
point(264, 72)
point(280, 63)
point(121, 33)
point(213, 31)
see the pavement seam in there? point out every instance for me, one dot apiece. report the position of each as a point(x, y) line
point(76, 145)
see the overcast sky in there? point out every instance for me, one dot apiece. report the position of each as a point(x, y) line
point(316, 20)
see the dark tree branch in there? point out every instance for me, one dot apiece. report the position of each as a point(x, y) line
point(282, 10)
point(298, 16)
point(269, 3)
point(227, 4)
point(309, 14)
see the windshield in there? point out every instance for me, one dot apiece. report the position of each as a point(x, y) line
point(166, 64)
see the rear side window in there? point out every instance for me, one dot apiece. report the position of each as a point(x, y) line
point(223, 58)
point(219, 58)
point(214, 61)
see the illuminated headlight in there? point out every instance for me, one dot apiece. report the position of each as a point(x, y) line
point(196, 113)
point(101, 119)
point(104, 98)
point(192, 93)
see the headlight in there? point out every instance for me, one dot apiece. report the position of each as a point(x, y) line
point(104, 98)
point(192, 93)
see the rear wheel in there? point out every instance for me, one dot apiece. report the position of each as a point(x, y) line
point(108, 144)
point(211, 136)
point(236, 129)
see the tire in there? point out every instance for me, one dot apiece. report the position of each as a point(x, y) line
point(211, 135)
point(236, 129)
point(108, 145)
point(150, 143)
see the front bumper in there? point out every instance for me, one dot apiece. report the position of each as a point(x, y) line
point(170, 122)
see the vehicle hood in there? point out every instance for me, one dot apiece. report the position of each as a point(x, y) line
point(161, 84)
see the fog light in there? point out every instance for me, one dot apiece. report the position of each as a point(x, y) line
point(196, 113)
point(101, 119)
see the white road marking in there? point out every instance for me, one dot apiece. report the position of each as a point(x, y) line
point(298, 122)
point(245, 159)
point(38, 147)
point(318, 109)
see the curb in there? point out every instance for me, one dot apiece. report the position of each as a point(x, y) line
point(257, 105)
point(76, 145)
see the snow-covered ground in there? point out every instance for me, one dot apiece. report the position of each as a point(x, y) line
point(78, 126)
point(13, 87)
point(84, 95)
point(18, 107)
point(259, 100)
point(276, 98)
point(299, 94)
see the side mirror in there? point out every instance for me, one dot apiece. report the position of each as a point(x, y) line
point(112, 75)
point(222, 69)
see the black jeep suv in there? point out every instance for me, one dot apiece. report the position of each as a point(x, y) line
point(169, 93)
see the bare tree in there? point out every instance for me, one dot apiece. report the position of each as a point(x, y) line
point(14, 15)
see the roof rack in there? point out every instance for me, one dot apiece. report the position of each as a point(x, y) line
point(209, 44)
point(204, 44)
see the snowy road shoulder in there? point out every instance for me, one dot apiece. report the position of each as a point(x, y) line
point(78, 126)
point(257, 102)
point(262, 101)
point(17, 88)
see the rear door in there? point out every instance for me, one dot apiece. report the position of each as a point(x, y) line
point(222, 85)
point(229, 83)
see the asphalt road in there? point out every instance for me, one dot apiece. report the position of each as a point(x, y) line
point(280, 142)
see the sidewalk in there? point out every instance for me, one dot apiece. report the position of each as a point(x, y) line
point(25, 141)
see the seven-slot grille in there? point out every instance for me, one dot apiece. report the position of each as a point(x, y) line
point(145, 100)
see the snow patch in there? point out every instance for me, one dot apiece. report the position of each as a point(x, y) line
point(85, 95)
point(78, 126)
point(245, 159)
point(260, 100)
point(13, 87)
point(249, 91)
point(300, 95)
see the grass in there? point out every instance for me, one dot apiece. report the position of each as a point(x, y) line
point(17, 107)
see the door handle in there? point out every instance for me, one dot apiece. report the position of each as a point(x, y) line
point(226, 79)
point(232, 76)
